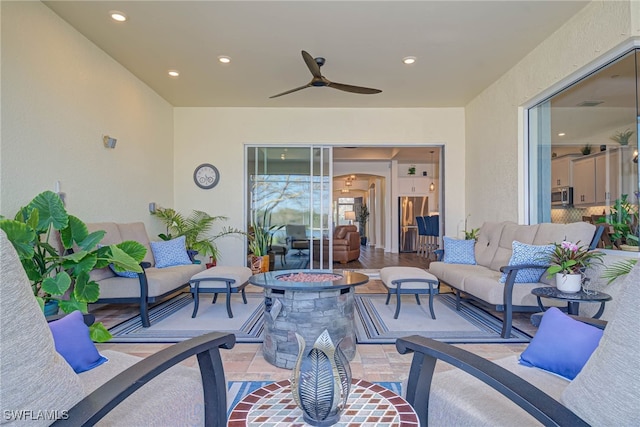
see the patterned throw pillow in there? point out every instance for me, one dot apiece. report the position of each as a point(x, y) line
point(170, 253)
point(129, 274)
point(529, 254)
point(459, 251)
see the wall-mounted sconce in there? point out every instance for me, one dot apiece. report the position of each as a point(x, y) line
point(635, 156)
point(152, 207)
point(109, 142)
point(56, 189)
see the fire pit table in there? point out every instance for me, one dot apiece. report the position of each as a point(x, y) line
point(307, 302)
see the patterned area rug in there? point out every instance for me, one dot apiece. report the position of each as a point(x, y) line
point(236, 390)
point(375, 323)
point(171, 321)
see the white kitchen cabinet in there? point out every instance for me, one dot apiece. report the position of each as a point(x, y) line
point(584, 181)
point(416, 186)
point(561, 171)
point(607, 177)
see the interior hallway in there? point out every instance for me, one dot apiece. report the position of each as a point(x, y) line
point(373, 362)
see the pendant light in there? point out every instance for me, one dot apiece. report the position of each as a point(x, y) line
point(432, 187)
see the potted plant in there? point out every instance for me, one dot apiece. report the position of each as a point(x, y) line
point(363, 217)
point(195, 228)
point(586, 149)
point(260, 238)
point(412, 170)
point(622, 138)
point(57, 252)
point(624, 220)
point(568, 262)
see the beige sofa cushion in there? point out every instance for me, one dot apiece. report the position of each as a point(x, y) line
point(572, 232)
point(33, 375)
point(488, 241)
point(160, 281)
point(511, 232)
point(136, 231)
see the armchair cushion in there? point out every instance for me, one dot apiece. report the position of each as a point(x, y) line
point(73, 342)
point(607, 390)
point(34, 376)
point(170, 253)
point(561, 345)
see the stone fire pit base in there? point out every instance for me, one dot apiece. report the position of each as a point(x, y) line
point(307, 313)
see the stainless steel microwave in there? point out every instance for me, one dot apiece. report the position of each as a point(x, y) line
point(562, 196)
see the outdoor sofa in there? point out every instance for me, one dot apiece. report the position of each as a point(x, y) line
point(152, 285)
point(492, 253)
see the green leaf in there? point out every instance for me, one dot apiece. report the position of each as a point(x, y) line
point(122, 261)
point(91, 241)
point(99, 333)
point(71, 305)
point(40, 303)
point(134, 249)
point(86, 290)
point(21, 236)
point(57, 285)
point(51, 209)
point(81, 262)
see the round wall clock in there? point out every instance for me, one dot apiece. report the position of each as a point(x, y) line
point(206, 176)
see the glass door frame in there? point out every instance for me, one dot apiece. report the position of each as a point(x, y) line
point(319, 218)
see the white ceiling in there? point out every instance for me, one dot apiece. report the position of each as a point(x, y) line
point(461, 47)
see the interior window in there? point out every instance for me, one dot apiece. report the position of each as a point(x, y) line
point(583, 153)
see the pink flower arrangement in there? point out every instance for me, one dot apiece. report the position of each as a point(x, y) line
point(570, 258)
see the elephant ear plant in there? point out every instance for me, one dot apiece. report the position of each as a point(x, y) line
point(58, 253)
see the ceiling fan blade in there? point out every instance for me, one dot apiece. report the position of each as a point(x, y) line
point(354, 89)
point(292, 90)
point(312, 64)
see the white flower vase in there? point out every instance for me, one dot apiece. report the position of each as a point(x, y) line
point(569, 283)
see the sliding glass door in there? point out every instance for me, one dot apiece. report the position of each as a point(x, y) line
point(289, 194)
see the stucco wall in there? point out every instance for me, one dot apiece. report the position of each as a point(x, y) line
point(218, 135)
point(495, 183)
point(60, 95)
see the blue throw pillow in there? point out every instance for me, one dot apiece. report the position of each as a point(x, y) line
point(171, 252)
point(529, 254)
point(459, 251)
point(562, 345)
point(73, 343)
point(129, 274)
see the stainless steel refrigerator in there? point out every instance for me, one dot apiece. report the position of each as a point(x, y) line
point(409, 207)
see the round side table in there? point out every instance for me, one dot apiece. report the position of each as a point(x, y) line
point(573, 299)
point(368, 404)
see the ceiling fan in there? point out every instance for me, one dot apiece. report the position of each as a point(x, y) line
point(319, 80)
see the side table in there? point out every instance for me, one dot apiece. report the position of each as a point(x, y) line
point(573, 299)
point(368, 404)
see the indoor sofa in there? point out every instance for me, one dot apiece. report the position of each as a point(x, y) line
point(152, 285)
point(346, 244)
point(493, 251)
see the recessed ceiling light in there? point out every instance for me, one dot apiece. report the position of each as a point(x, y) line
point(118, 16)
point(561, 134)
point(173, 73)
point(408, 60)
point(224, 59)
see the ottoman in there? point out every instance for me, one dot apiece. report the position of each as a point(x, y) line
point(409, 280)
point(220, 279)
